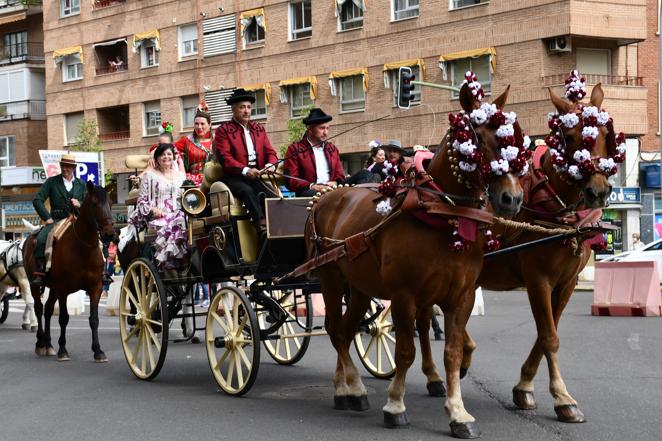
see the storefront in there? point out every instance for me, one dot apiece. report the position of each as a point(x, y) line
point(624, 212)
point(19, 185)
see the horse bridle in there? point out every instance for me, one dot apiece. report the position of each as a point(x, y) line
point(98, 227)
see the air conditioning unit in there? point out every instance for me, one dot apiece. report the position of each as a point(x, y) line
point(559, 44)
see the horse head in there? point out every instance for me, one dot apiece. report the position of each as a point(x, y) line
point(96, 205)
point(485, 150)
point(584, 147)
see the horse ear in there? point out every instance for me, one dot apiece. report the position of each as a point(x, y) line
point(90, 187)
point(561, 105)
point(597, 95)
point(500, 101)
point(467, 100)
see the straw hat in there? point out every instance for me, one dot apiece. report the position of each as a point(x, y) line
point(68, 159)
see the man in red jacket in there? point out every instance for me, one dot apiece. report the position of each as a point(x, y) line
point(313, 163)
point(242, 146)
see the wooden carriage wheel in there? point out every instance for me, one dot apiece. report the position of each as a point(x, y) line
point(233, 341)
point(289, 347)
point(143, 319)
point(377, 346)
point(4, 309)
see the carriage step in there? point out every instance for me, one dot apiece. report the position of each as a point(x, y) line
point(626, 310)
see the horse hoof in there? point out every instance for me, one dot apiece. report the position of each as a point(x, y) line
point(195, 340)
point(463, 372)
point(524, 400)
point(340, 402)
point(33, 329)
point(396, 420)
point(569, 413)
point(40, 351)
point(100, 358)
point(436, 389)
point(465, 430)
point(358, 404)
point(25, 326)
point(63, 357)
point(50, 351)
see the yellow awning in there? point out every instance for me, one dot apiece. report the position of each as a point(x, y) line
point(351, 73)
point(13, 18)
point(246, 17)
point(260, 86)
point(312, 80)
point(491, 51)
point(406, 63)
point(139, 37)
point(60, 53)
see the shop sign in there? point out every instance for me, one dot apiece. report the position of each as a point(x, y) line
point(625, 195)
point(89, 165)
point(12, 176)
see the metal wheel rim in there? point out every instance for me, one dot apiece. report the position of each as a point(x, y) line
point(234, 366)
point(281, 350)
point(376, 348)
point(4, 311)
point(144, 344)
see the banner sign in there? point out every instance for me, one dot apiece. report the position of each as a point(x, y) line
point(625, 195)
point(89, 165)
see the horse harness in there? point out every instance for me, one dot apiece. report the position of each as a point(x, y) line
point(11, 263)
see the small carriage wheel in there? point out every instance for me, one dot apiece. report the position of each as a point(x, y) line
point(377, 346)
point(143, 319)
point(232, 338)
point(287, 350)
point(4, 312)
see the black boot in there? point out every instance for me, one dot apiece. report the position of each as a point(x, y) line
point(106, 279)
point(39, 274)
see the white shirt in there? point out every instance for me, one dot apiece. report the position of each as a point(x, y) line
point(252, 156)
point(321, 164)
point(68, 184)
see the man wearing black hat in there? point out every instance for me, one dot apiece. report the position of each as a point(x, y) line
point(243, 148)
point(313, 163)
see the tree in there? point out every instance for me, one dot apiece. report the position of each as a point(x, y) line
point(296, 129)
point(87, 139)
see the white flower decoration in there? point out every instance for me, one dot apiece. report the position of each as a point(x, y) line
point(606, 164)
point(582, 155)
point(505, 130)
point(569, 120)
point(603, 117)
point(489, 109)
point(525, 169)
point(511, 117)
point(527, 142)
point(573, 171)
point(384, 207)
point(500, 167)
point(509, 153)
point(478, 117)
point(590, 132)
point(467, 167)
point(551, 116)
point(374, 143)
point(621, 148)
point(466, 148)
point(590, 111)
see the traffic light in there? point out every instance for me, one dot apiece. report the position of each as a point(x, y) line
point(405, 88)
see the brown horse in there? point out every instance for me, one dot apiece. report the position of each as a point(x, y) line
point(548, 272)
point(413, 265)
point(77, 263)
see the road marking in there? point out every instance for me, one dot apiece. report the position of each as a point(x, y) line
point(633, 341)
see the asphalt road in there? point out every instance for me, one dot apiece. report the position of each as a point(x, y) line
point(611, 365)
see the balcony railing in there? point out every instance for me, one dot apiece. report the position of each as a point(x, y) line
point(32, 109)
point(21, 52)
point(100, 4)
point(114, 136)
point(613, 80)
point(8, 6)
point(112, 69)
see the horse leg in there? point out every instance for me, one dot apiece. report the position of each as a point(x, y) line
point(95, 295)
point(434, 383)
point(62, 354)
point(48, 313)
point(467, 351)
point(29, 318)
point(357, 395)
point(462, 424)
point(40, 346)
point(403, 314)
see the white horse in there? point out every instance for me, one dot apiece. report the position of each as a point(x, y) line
point(13, 274)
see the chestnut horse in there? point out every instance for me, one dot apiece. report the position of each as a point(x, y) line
point(77, 263)
point(548, 272)
point(411, 264)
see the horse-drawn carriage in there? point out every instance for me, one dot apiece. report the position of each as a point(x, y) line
point(248, 308)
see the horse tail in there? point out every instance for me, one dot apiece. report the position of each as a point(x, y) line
point(29, 226)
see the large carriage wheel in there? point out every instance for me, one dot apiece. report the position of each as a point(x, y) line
point(143, 319)
point(4, 309)
point(377, 346)
point(288, 348)
point(233, 341)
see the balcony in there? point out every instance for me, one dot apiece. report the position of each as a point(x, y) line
point(113, 123)
point(106, 70)
point(29, 109)
point(21, 53)
point(611, 80)
point(114, 136)
point(102, 4)
point(16, 10)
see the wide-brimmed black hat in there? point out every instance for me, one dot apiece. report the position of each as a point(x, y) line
point(394, 144)
point(240, 95)
point(317, 116)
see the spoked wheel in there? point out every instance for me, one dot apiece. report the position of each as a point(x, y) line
point(233, 341)
point(143, 319)
point(4, 309)
point(377, 346)
point(288, 348)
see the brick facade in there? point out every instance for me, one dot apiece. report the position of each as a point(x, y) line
point(649, 68)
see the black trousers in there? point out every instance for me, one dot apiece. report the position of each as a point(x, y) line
point(252, 192)
point(309, 193)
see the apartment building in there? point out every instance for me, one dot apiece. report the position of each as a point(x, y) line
point(131, 64)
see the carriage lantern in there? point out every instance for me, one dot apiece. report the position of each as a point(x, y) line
point(194, 200)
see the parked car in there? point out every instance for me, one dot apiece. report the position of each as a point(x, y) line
point(651, 251)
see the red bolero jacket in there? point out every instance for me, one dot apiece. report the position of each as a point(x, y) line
point(300, 163)
point(231, 151)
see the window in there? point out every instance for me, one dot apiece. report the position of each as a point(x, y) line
point(15, 44)
point(149, 56)
point(72, 126)
point(188, 40)
point(111, 57)
point(301, 20)
point(351, 15)
point(219, 110)
point(455, 4)
point(189, 106)
point(479, 65)
point(300, 99)
point(259, 107)
point(7, 151)
point(352, 96)
point(594, 61)
point(219, 35)
point(254, 33)
point(405, 9)
point(152, 118)
point(69, 7)
point(416, 93)
point(72, 68)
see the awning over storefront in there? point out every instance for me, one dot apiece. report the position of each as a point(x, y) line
point(59, 54)
point(152, 35)
point(246, 17)
point(345, 74)
point(284, 84)
point(111, 42)
point(472, 53)
point(260, 86)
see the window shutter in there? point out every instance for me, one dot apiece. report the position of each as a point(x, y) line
point(72, 122)
point(219, 35)
point(218, 109)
